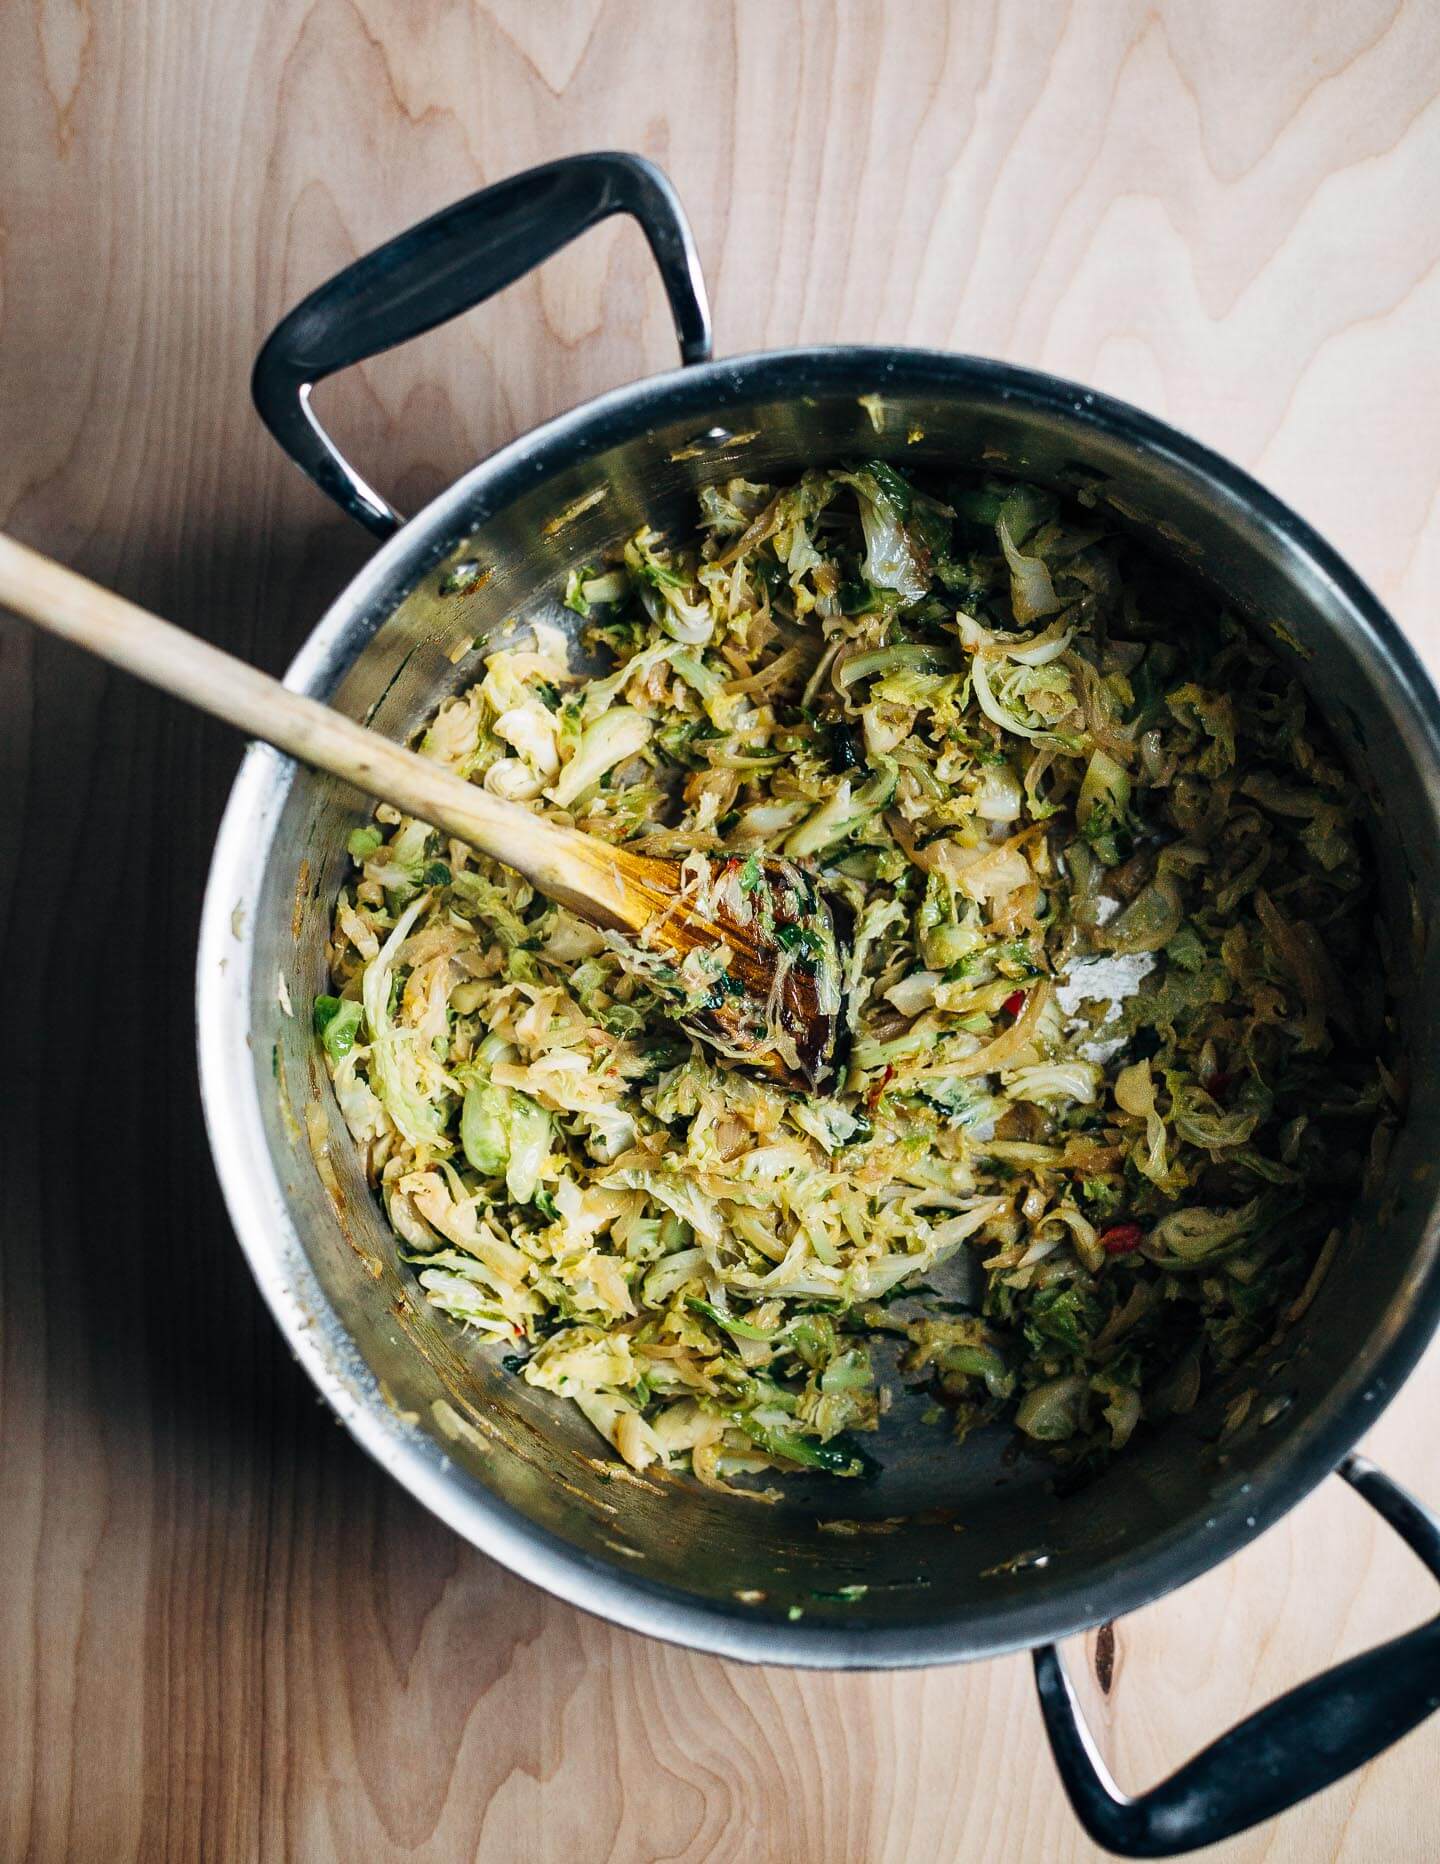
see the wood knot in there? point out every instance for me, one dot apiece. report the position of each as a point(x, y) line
point(1105, 1657)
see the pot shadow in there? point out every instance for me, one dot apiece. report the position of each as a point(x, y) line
point(136, 1340)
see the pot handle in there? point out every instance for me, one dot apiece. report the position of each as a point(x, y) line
point(447, 264)
point(1307, 1740)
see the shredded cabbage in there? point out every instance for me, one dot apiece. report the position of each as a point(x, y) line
point(1110, 981)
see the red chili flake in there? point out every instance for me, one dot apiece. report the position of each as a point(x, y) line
point(1121, 1238)
point(872, 1099)
point(1218, 1083)
point(1014, 1003)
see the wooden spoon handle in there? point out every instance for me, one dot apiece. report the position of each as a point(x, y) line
point(574, 869)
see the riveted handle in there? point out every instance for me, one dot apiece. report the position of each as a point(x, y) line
point(1284, 1752)
point(449, 263)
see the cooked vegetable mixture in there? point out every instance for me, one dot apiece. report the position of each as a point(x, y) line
point(1112, 987)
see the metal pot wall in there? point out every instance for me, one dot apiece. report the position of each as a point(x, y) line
point(516, 1472)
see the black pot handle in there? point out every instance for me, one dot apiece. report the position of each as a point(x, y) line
point(447, 264)
point(1307, 1740)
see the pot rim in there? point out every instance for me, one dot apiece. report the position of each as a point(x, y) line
point(254, 1195)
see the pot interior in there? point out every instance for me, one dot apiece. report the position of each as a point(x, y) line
point(956, 1550)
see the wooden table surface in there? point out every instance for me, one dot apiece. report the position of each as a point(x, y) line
point(223, 1635)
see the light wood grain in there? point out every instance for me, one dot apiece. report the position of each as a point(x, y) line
point(222, 1634)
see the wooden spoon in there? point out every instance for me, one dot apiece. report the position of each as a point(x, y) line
point(768, 916)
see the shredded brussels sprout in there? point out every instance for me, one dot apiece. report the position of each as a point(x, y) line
point(1111, 983)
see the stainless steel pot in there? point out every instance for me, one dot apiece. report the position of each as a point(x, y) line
point(516, 1472)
